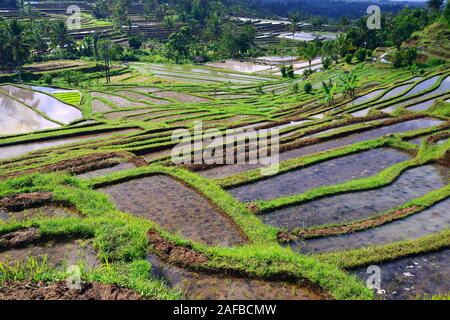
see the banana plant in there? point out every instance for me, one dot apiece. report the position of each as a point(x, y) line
point(350, 82)
point(329, 91)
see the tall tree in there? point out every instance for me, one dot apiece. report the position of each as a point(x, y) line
point(294, 20)
point(309, 52)
point(60, 37)
point(435, 4)
point(16, 41)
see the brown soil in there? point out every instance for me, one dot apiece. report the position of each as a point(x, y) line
point(22, 201)
point(352, 227)
point(19, 238)
point(286, 237)
point(59, 291)
point(435, 138)
point(445, 160)
point(83, 164)
point(253, 208)
point(174, 253)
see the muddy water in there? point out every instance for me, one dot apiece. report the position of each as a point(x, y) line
point(363, 136)
point(412, 184)
point(423, 86)
point(50, 211)
point(103, 172)
point(228, 170)
point(143, 97)
point(199, 286)
point(52, 107)
point(57, 254)
point(118, 101)
point(17, 118)
point(331, 172)
point(413, 277)
point(99, 106)
point(20, 149)
point(240, 66)
point(443, 87)
point(157, 154)
point(396, 91)
point(367, 97)
point(432, 220)
point(181, 97)
point(422, 106)
point(176, 208)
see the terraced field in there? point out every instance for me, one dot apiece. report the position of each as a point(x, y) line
point(86, 177)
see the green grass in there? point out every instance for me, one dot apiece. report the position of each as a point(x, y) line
point(69, 97)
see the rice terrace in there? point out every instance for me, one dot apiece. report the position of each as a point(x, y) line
point(224, 150)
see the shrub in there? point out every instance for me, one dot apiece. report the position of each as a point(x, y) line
point(327, 61)
point(307, 72)
point(348, 58)
point(290, 72)
point(361, 54)
point(135, 42)
point(47, 79)
point(295, 88)
point(307, 87)
point(403, 58)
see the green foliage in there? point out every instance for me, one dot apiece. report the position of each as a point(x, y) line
point(348, 58)
point(435, 4)
point(72, 78)
point(236, 41)
point(329, 90)
point(178, 45)
point(361, 54)
point(404, 58)
point(307, 87)
point(446, 14)
point(327, 62)
point(287, 71)
point(350, 81)
point(135, 41)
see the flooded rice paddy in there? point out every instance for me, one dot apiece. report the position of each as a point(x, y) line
point(103, 172)
point(362, 136)
point(51, 106)
point(330, 172)
point(23, 148)
point(229, 170)
point(50, 211)
point(429, 221)
point(413, 277)
point(199, 286)
point(355, 206)
point(17, 118)
point(55, 254)
point(176, 208)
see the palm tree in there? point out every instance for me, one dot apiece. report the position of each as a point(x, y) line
point(60, 37)
point(309, 52)
point(15, 35)
point(3, 48)
point(37, 42)
point(294, 19)
point(341, 44)
point(28, 11)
